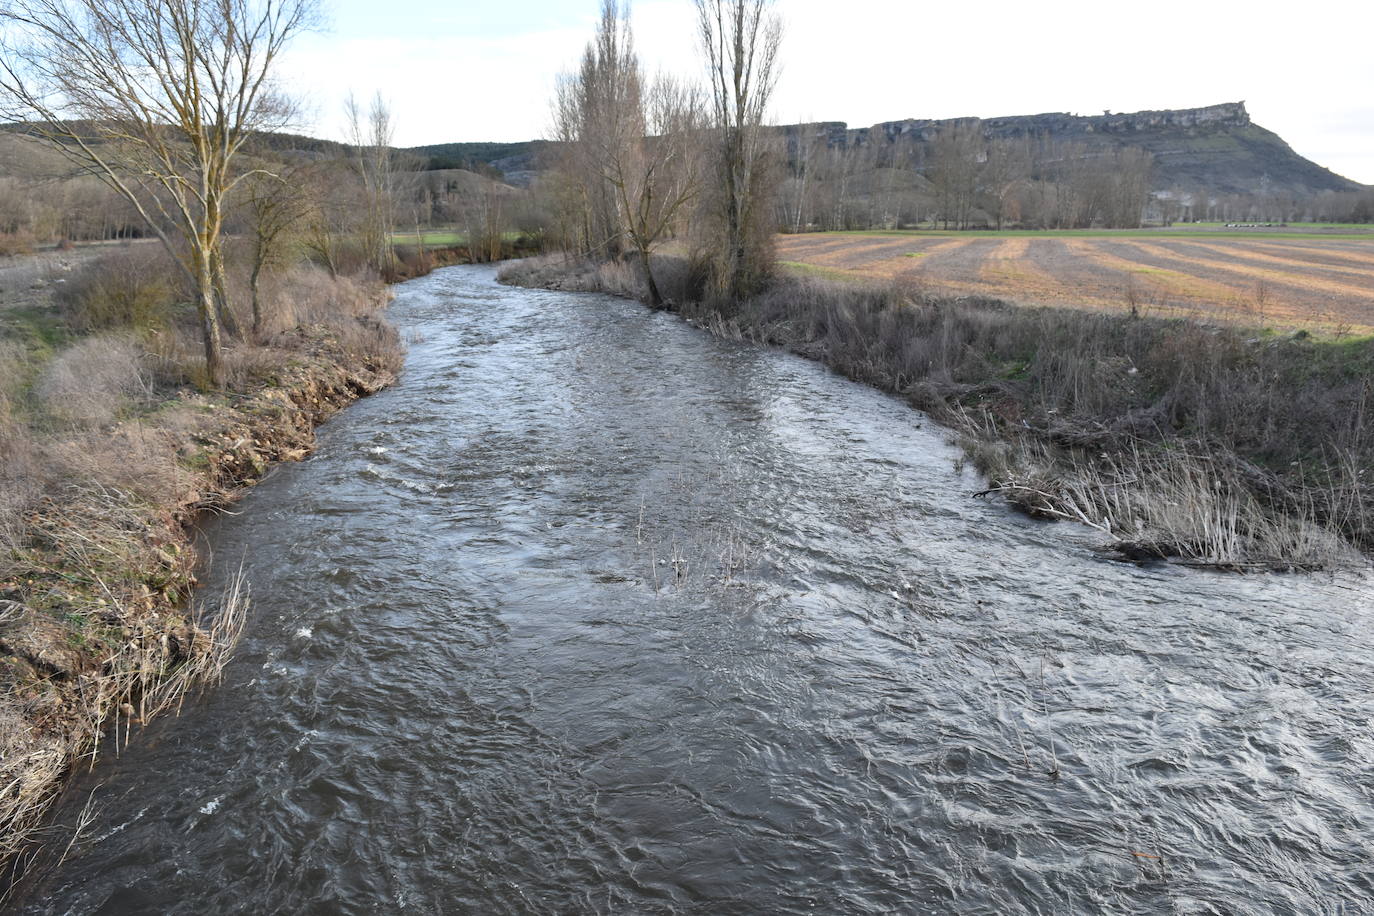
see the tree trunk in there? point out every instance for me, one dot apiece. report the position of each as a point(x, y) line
point(231, 321)
point(253, 285)
point(209, 318)
point(655, 300)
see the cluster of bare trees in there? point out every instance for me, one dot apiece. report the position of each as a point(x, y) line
point(77, 208)
point(1264, 206)
point(642, 158)
point(959, 178)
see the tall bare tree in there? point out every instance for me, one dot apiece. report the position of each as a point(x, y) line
point(599, 117)
point(372, 133)
point(659, 174)
point(631, 146)
point(336, 209)
point(741, 40)
point(156, 98)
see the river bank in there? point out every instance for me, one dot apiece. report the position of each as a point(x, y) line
point(594, 612)
point(98, 629)
point(1215, 446)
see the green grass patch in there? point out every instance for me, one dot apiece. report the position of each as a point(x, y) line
point(802, 269)
point(442, 238)
point(39, 330)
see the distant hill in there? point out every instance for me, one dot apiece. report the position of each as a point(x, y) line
point(514, 163)
point(1217, 147)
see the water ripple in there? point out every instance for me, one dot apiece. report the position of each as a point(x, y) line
point(595, 613)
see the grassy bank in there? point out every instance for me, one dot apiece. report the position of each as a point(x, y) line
point(1210, 445)
point(110, 445)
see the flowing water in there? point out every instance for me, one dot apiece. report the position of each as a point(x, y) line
point(593, 612)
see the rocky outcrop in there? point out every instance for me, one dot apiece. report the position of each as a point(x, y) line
point(1217, 148)
point(1061, 125)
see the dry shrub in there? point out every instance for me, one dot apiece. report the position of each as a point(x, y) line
point(345, 308)
point(176, 356)
point(1156, 503)
point(134, 458)
point(308, 296)
point(22, 479)
point(247, 365)
point(678, 279)
point(620, 279)
point(412, 261)
point(91, 382)
point(13, 370)
point(134, 287)
point(16, 243)
point(20, 482)
point(553, 271)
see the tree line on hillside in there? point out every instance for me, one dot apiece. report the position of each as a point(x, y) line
point(961, 179)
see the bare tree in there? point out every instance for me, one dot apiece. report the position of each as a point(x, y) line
point(657, 175)
point(336, 207)
point(598, 117)
point(275, 206)
point(631, 147)
point(156, 98)
point(741, 39)
point(372, 133)
point(957, 160)
point(1004, 174)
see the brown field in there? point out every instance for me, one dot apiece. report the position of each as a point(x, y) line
point(1288, 280)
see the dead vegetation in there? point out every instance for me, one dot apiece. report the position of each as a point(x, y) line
point(109, 444)
point(1178, 439)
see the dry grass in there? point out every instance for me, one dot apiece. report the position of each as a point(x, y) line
point(16, 243)
point(107, 445)
point(92, 382)
point(1309, 283)
point(155, 665)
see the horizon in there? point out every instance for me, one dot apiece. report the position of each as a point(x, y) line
point(455, 76)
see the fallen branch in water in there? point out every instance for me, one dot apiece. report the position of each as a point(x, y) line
point(1047, 508)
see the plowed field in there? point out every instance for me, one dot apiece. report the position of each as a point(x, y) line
point(1288, 280)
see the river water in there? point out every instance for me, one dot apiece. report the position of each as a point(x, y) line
point(593, 612)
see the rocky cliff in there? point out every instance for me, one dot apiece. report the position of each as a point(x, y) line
point(1217, 147)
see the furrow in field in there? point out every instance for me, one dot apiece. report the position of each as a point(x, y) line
point(1297, 281)
point(902, 261)
point(860, 254)
point(1157, 286)
point(1344, 255)
point(1262, 293)
point(957, 266)
point(1012, 271)
point(803, 247)
point(1285, 262)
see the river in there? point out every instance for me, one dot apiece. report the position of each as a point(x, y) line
point(594, 612)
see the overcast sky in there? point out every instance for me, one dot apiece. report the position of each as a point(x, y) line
point(464, 70)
